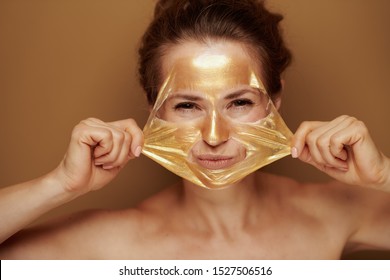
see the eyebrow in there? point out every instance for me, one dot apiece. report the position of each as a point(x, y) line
point(186, 97)
point(238, 93)
point(230, 96)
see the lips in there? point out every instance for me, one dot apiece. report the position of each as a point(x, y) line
point(214, 162)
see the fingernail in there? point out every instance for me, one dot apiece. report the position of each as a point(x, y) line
point(138, 151)
point(294, 152)
point(107, 167)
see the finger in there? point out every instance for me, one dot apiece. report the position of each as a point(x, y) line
point(333, 152)
point(299, 138)
point(336, 147)
point(324, 140)
point(305, 156)
point(315, 146)
point(108, 160)
point(350, 136)
point(137, 137)
point(342, 134)
point(94, 122)
point(316, 149)
point(116, 128)
point(123, 155)
point(99, 139)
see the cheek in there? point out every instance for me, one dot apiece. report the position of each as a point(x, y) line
point(164, 113)
point(241, 150)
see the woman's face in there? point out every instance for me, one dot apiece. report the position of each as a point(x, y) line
point(211, 89)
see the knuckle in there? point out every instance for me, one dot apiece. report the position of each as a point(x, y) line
point(132, 122)
point(351, 120)
point(311, 138)
point(303, 132)
point(83, 123)
point(334, 140)
point(107, 133)
point(117, 134)
point(89, 120)
point(127, 138)
point(336, 145)
point(133, 129)
point(76, 133)
point(139, 131)
point(322, 142)
point(304, 125)
point(79, 130)
point(360, 127)
point(121, 137)
point(343, 117)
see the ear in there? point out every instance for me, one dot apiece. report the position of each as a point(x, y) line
point(278, 99)
point(283, 83)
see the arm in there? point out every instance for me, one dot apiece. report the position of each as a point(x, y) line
point(344, 149)
point(96, 153)
point(24, 203)
point(372, 227)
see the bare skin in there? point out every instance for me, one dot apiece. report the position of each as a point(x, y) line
point(263, 216)
point(283, 220)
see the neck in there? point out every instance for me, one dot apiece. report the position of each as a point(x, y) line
point(224, 210)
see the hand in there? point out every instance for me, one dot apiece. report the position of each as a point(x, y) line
point(97, 152)
point(343, 149)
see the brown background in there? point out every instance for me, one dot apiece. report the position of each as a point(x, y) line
point(64, 61)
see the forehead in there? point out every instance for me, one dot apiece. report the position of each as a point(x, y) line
point(208, 68)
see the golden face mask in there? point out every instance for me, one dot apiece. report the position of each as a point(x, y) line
point(209, 101)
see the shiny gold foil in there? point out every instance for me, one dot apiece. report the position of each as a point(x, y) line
point(210, 80)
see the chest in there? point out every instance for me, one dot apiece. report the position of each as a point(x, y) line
point(278, 242)
point(271, 248)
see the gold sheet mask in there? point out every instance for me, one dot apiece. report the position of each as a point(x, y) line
point(214, 98)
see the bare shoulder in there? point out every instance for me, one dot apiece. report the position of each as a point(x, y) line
point(332, 195)
point(356, 216)
point(77, 236)
point(366, 212)
point(328, 203)
point(92, 234)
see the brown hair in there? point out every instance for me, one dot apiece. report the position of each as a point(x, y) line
point(244, 21)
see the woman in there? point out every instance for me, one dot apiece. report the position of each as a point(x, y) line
point(259, 216)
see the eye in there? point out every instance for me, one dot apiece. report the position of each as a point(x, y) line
point(186, 106)
point(241, 103)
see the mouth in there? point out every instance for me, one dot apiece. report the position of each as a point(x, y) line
point(214, 162)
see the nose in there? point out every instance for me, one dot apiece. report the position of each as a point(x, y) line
point(215, 130)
